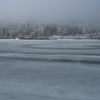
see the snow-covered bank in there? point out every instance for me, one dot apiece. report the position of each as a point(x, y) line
point(56, 37)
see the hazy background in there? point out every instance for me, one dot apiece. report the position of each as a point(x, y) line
point(49, 11)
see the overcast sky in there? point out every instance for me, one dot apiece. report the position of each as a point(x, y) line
point(50, 11)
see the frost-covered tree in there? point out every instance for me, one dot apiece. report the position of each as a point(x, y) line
point(47, 30)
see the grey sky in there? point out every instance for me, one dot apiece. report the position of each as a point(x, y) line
point(49, 10)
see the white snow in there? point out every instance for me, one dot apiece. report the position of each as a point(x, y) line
point(17, 39)
point(55, 37)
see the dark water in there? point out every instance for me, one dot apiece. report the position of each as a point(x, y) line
point(50, 70)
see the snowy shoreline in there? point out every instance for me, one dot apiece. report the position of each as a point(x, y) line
point(56, 37)
point(53, 39)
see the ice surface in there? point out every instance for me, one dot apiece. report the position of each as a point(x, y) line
point(49, 70)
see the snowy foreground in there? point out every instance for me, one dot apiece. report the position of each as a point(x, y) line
point(49, 70)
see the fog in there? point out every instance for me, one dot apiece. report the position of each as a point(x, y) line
point(49, 11)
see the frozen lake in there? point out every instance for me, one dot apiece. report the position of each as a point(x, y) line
point(49, 70)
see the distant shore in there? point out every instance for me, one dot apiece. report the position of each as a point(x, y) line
point(51, 39)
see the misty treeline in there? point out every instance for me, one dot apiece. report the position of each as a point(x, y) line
point(45, 31)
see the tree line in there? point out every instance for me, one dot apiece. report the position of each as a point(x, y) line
point(45, 31)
